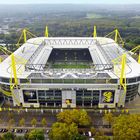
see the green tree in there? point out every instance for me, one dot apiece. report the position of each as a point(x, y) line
point(33, 122)
point(63, 131)
point(102, 138)
point(80, 137)
point(22, 122)
point(93, 130)
point(19, 138)
point(84, 119)
point(126, 127)
point(8, 136)
point(44, 122)
point(79, 117)
point(109, 118)
point(35, 135)
point(1, 121)
point(11, 122)
point(10, 115)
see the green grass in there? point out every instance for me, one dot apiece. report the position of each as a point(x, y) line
point(93, 16)
point(136, 17)
point(71, 66)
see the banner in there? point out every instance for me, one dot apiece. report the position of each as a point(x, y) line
point(107, 96)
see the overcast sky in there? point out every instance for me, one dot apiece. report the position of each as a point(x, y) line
point(70, 1)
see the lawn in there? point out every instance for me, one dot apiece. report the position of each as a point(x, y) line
point(71, 66)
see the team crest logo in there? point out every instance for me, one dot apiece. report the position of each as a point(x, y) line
point(107, 96)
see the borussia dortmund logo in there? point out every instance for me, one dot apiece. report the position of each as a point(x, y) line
point(107, 96)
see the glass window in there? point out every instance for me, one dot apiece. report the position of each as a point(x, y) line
point(36, 80)
point(24, 81)
point(79, 80)
point(58, 93)
point(57, 81)
point(68, 80)
point(46, 81)
point(131, 80)
point(49, 93)
point(6, 80)
point(41, 93)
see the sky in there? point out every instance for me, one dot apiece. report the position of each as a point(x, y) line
point(70, 1)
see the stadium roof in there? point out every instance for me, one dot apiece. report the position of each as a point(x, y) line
point(36, 51)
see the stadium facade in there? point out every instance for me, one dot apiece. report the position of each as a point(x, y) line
point(70, 72)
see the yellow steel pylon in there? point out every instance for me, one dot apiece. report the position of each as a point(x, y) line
point(116, 35)
point(123, 72)
point(0, 59)
point(134, 50)
point(25, 35)
point(13, 66)
point(95, 32)
point(118, 39)
point(139, 57)
point(14, 72)
point(46, 32)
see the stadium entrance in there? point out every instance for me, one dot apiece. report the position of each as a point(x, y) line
point(69, 99)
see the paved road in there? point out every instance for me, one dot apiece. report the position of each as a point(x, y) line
point(51, 117)
point(134, 106)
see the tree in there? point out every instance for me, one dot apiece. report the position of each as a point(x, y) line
point(84, 119)
point(99, 135)
point(11, 122)
point(19, 138)
point(22, 122)
point(79, 117)
point(80, 137)
point(126, 127)
point(1, 121)
point(36, 134)
point(63, 131)
point(93, 130)
point(10, 115)
point(8, 136)
point(102, 138)
point(33, 122)
point(109, 118)
point(44, 122)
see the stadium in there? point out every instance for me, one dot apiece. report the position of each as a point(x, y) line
point(70, 72)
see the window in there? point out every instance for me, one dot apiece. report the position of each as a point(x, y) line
point(131, 80)
point(24, 81)
point(36, 80)
point(6, 80)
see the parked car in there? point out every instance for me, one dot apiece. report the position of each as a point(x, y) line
point(47, 131)
point(19, 130)
point(25, 131)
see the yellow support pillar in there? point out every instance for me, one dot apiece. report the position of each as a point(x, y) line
point(0, 59)
point(123, 65)
point(139, 58)
point(13, 66)
point(46, 32)
point(25, 35)
point(95, 32)
point(116, 35)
